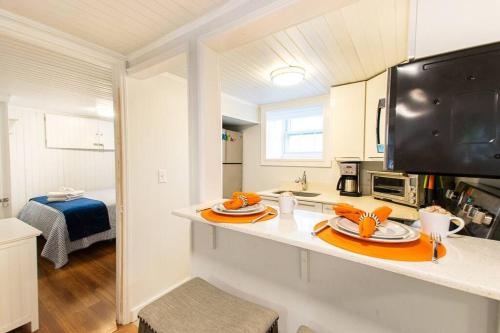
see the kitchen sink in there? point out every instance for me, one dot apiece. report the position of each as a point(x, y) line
point(300, 194)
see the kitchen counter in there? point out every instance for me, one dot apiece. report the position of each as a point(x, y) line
point(367, 203)
point(471, 264)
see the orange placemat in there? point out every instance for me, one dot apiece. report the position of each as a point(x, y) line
point(212, 216)
point(419, 250)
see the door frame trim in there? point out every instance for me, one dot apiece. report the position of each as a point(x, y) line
point(119, 74)
point(5, 171)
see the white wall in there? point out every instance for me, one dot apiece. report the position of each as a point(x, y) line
point(447, 25)
point(205, 123)
point(157, 243)
point(36, 170)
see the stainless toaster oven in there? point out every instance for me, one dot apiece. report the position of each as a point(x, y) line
point(397, 187)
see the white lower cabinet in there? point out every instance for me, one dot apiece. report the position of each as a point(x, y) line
point(301, 204)
point(18, 275)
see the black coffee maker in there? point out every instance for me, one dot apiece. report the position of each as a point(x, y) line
point(349, 182)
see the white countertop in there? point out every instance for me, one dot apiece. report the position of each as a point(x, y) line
point(367, 203)
point(13, 230)
point(471, 264)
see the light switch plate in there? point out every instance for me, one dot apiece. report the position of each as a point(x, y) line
point(162, 176)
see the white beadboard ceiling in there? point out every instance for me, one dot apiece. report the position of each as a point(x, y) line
point(36, 77)
point(120, 25)
point(351, 44)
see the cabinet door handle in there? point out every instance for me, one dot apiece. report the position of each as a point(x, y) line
point(381, 105)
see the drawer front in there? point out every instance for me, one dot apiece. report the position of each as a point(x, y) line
point(328, 209)
point(310, 206)
point(270, 201)
point(303, 205)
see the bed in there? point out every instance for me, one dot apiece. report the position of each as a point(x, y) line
point(52, 223)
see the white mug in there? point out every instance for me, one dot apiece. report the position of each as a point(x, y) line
point(440, 223)
point(287, 203)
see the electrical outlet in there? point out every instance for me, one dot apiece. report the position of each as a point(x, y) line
point(162, 176)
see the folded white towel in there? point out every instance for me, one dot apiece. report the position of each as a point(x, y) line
point(62, 199)
point(64, 194)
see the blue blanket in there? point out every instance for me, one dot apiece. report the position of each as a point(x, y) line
point(84, 217)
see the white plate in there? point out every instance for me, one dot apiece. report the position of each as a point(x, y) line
point(391, 230)
point(412, 234)
point(249, 210)
point(246, 209)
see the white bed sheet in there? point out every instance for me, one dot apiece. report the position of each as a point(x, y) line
point(53, 226)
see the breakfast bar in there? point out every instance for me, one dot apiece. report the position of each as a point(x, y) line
point(470, 265)
point(466, 256)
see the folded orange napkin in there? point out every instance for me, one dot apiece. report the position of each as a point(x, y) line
point(367, 222)
point(242, 199)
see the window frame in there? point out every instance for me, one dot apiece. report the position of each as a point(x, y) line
point(322, 102)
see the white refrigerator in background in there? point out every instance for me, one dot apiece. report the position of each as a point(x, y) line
point(232, 162)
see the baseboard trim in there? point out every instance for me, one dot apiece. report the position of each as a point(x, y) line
point(135, 310)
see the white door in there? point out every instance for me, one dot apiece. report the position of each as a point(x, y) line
point(5, 210)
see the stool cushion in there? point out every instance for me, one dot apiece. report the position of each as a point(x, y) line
point(305, 329)
point(198, 306)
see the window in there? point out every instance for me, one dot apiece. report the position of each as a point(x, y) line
point(294, 134)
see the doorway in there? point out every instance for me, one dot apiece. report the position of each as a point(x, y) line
point(58, 147)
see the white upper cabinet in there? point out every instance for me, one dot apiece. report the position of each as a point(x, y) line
point(68, 132)
point(348, 105)
point(106, 135)
point(448, 25)
point(375, 115)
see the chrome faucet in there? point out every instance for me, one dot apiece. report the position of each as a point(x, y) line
point(302, 181)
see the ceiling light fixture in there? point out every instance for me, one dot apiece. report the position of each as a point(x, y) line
point(288, 76)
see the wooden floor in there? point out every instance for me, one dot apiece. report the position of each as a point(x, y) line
point(127, 329)
point(80, 297)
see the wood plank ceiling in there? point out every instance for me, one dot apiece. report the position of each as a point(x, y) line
point(347, 45)
point(120, 25)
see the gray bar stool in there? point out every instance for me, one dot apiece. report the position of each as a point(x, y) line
point(198, 306)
